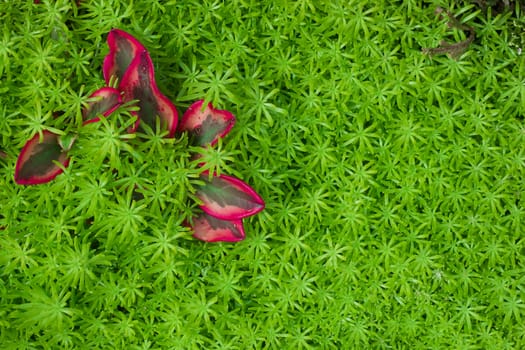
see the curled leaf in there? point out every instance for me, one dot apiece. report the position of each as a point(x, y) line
point(228, 198)
point(123, 49)
point(206, 126)
point(139, 84)
point(36, 162)
point(210, 229)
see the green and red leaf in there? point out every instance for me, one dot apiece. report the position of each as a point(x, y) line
point(228, 198)
point(139, 84)
point(102, 102)
point(206, 125)
point(210, 229)
point(123, 49)
point(35, 164)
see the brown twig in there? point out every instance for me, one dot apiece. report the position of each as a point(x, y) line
point(457, 49)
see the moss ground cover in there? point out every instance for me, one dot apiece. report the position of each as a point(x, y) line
point(393, 180)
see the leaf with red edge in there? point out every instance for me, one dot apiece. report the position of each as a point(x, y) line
point(35, 163)
point(228, 198)
point(207, 125)
point(103, 101)
point(123, 49)
point(210, 229)
point(139, 84)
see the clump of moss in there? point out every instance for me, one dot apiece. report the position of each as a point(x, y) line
point(517, 35)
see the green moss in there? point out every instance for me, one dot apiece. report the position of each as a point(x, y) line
point(393, 181)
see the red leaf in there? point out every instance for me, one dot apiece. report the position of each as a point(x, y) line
point(35, 162)
point(139, 84)
point(205, 126)
point(123, 49)
point(228, 198)
point(210, 229)
point(104, 101)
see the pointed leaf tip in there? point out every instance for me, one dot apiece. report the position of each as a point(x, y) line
point(123, 49)
point(103, 101)
point(228, 198)
point(210, 229)
point(206, 125)
point(139, 84)
point(35, 163)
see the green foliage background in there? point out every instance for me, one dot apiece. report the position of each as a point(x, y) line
point(393, 181)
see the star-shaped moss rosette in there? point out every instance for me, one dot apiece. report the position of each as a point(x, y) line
point(225, 200)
